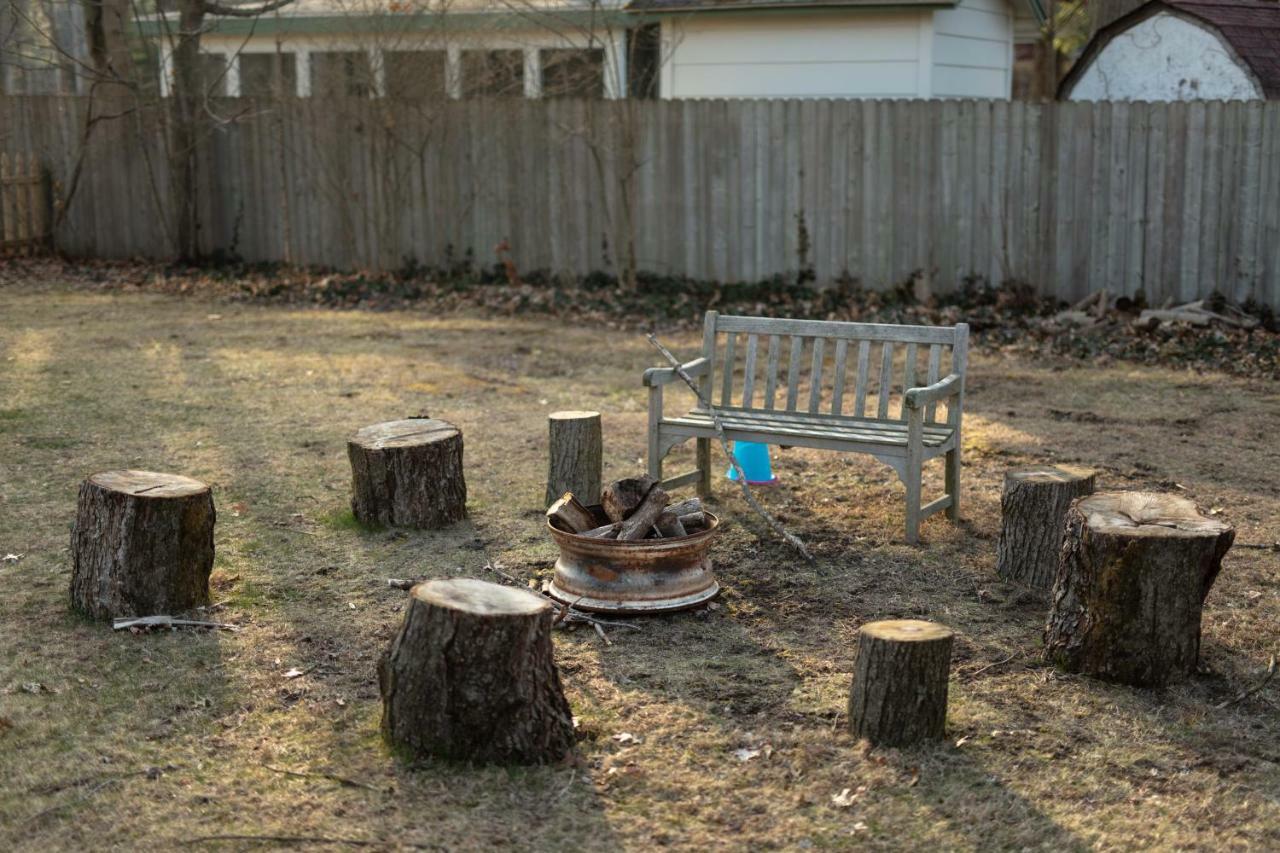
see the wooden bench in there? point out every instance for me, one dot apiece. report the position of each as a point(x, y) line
point(903, 430)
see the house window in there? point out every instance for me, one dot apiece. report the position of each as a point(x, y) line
point(492, 73)
point(572, 73)
point(268, 75)
point(213, 74)
point(415, 73)
point(338, 74)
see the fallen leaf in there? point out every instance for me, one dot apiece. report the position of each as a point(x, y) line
point(294, 673)
point(746, 754)
point(626, 737)
point(844, 799)
point(11, 558)
point(962, 741)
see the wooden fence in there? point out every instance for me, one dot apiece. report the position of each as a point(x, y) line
point(24, 211)
point(1176, 199)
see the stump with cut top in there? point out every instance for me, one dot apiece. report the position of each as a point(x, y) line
point(408, 474)
point(141, 544)
point(471, 677)
point(899, 691)
point(1135, 570)
point(1033, 509)
point(576, 456)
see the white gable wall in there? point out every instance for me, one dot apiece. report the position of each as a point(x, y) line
point(849, 53)
point(973, 50)
point(1165, 58)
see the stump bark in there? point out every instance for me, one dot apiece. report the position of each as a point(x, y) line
point(1135, 570)
point(408, 474)
point(899, 691)
point(576, 456)
point(471, 677)
point(141, 544)
point(1033, 508)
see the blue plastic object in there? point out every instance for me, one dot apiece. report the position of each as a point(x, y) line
point(754, 459)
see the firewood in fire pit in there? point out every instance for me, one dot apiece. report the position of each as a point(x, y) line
point(608, 531)
point(692, 521)
point(686, 507)
point(622, 497)
point(668, 525)
point(570, 515)
point(637, 524)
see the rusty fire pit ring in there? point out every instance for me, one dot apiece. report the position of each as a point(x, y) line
point(642, 576)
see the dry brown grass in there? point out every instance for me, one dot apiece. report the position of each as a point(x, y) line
point(149, 741)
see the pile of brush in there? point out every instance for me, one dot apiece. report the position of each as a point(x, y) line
point(632, 508)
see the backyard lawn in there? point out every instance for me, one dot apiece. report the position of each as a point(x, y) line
point(723, 728)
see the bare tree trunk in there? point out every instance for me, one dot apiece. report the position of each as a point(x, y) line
point(184, 128)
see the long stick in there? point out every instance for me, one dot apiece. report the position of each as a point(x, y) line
point(724, 443)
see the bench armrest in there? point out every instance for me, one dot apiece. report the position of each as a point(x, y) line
point(655, 376)
point(918, 398)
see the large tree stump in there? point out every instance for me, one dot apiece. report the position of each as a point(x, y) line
point(1135, 570)
point(471, 677)
point(576, 456)
point(141, 545)
point(408, 474)
point(1033, 508)
point(899, 692)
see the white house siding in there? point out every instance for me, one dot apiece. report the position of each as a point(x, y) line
point(1165, 58)
point(973, 50)
point(846, 54)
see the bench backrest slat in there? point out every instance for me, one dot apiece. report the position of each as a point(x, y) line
point(837, 390)
point(793, 372)
point(815, 375)
point(749, 373)
point(860, 390)
point(811, 369)
point(886, 380)
point(771, 379)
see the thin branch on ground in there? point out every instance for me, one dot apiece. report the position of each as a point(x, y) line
point(1271, 671)
point(790, 538)
point(284, 839)
point(320, 774)
point(969, 676)
point(168, 622)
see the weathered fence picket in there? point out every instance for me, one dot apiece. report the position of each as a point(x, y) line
point(1178, 199)
point(24, 217)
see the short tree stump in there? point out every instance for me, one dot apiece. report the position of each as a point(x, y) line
point(899, 691)
point(141, 544)
point(575, 456)
point(407, 474)
point(1033, 508)
point(1136, 568)
point(471, 677)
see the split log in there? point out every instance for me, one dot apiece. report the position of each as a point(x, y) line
point(408, 474)
point(899, 691)
point(608, 531)
point(668, 525)
point(637, 525)
point(1135, 570)
point(692, 521)
point(692, 505)
point(141, 545)
point(570, 515)
point(471, 677)
point(576, 454)
point(621, 497)
point(1033, 509)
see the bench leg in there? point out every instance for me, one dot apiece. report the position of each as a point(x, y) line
point(704, 467)
point(655, 455)
point(953, 483)
point(913, 502)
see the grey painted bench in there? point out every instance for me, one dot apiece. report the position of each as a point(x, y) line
point(903, 430)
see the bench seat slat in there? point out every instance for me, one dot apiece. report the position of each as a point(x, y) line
point(893, 435)
point(839, 421)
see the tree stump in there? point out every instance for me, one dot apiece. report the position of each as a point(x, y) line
point(576, 454)
point(1033, 508)
point(899, 692)
point(1135, 570)
point(471, 676)
point(141, 545)
point(407, 474)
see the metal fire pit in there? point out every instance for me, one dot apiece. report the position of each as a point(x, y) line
point(643, 576)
